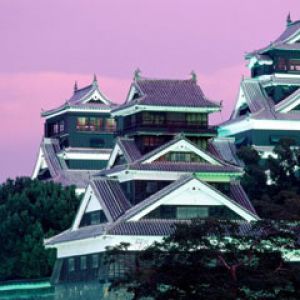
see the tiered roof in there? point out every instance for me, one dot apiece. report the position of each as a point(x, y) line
point(145, 163)
point(122, 223)
point(87, 98)
point(284, 42)
point(263, 107)
point(152, 93)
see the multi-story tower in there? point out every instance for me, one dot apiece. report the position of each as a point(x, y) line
point(156, 110)
point(268, 104)
point(78, 138)
point(164, 169)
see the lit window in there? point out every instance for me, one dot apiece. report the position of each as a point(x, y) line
point(294, 64)
point(95, 124)
point(82, 124)
point(110, 125)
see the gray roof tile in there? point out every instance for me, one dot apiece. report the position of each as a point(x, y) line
point(129, 149)
point(111, 197)
point(160, 92)
point(79, 234)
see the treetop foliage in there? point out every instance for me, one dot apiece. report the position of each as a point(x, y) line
point(30, 211)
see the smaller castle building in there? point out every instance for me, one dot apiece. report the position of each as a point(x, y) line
point(78, 138)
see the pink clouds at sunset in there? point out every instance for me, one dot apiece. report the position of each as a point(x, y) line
point(47, 45)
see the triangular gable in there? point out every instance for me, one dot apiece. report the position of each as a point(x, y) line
point(240, 102)
point(95, 97)
point(117, 157)
point(40, 164)
point(89, 203)
point(134, 93)
point(189, 191)
point(180, 145)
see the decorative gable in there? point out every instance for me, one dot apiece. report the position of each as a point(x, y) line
point(133, 93)
point(182, 150)
point(96, 97)
point(89, 208)
point(116, 157)
point(193, 198)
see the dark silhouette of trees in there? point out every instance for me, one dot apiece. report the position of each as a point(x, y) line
point(213, 260)
point(30, 211)
point(273, 185)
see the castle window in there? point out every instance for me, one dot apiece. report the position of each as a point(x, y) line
point(62, 126)
point(110, 125)
point(294, 64)
point(71, 264)
point(95, 124)
point(196, 119)
point(55, 128)
point(83, 263)
point(95, 261)
point(82, 124)
point(89, 124)
point(190, 212)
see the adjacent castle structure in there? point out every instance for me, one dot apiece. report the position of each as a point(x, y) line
point(268, 104)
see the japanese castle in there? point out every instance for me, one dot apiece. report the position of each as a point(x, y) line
point(167, 166)
point(78, 138)
point(268, 104)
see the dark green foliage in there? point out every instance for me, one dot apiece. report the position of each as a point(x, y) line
point(280, 198)
point(199, 261)
point(30, 211)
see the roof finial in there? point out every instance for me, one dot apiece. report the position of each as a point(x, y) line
point(137, 74)
point(289, 20)
point(194, 76)
point(75, 86)
point(95, 82)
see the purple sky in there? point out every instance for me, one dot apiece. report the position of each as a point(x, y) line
point(47, 45)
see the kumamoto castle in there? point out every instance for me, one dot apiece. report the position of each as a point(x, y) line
point(155, 160)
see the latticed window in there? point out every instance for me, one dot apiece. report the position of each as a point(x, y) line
point(181, 157)
point(153, 119)
point(190, 212)
point(196, 119)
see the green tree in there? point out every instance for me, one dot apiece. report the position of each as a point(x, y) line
point(30, 211)
point(273, 184)
point(213, 260)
